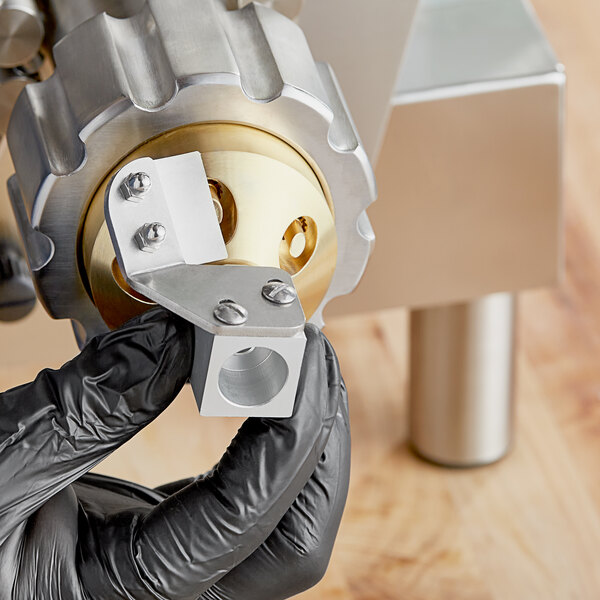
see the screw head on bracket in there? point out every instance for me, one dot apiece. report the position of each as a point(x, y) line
point(136, 186)
point(230, 313)
point(150, 236)
point(280, 293)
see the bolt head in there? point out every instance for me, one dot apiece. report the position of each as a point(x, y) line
point(230, 313)
point(280, 293)
point(150, 236)
point(136, 186)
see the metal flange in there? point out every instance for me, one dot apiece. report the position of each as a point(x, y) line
point(172, 65)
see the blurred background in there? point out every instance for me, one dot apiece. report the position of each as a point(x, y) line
point(475, 130)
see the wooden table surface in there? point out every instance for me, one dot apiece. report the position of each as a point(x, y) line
point(527, 528)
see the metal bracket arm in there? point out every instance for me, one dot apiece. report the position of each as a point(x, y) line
point(249, 343)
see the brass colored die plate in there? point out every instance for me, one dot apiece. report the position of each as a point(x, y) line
point(272, 208)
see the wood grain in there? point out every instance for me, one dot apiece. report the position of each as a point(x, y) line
point(527, 528)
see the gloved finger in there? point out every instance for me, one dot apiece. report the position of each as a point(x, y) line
point(58, 427)
point(296, 555)
point(196, 536)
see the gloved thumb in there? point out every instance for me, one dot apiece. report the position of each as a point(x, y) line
point(124, 379)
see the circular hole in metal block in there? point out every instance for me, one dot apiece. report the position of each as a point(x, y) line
point(253, 376)
point(225, 208)
point(298, 245)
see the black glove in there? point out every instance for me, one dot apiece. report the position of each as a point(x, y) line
point(261, 525)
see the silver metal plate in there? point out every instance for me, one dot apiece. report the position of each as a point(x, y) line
point(193, 292)
point(180, 200)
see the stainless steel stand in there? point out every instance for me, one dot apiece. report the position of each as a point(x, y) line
point(470, 204)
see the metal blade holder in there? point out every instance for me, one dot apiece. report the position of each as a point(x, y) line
point(249, 322)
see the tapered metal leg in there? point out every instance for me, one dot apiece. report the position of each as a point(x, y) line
point(461, 381)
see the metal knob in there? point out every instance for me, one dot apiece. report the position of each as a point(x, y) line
point(21, 32)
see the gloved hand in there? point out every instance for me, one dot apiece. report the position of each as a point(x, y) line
point(261, 525)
